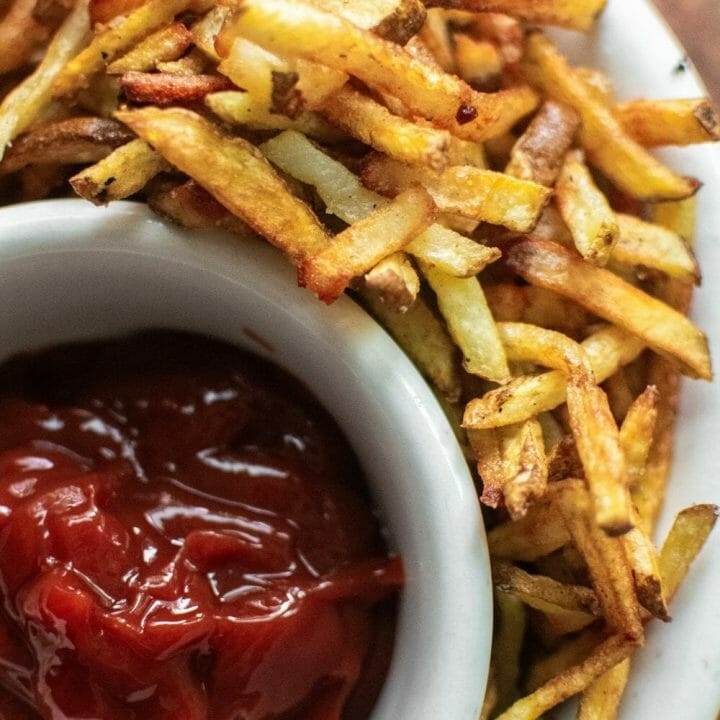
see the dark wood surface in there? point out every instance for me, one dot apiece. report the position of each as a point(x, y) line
point(697, 24)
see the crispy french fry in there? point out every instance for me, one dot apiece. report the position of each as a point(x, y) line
point(166, 89)
point(620, 158)
point(511, 623)
point(21, 107)
point(599, 83)
point(539, 533)
point(166, 44)
point(636, 433)
point(473, 193)
point(466, 152)
point(424, 338)
point(206, 30)
point(479, 63)
point(539, 346)
point(347, 198)
point(435, 36)
point(109, 43)
point(462, 303)
point(356, 250)
point(538, 154)
point(122, 173)
point(601, 699)
point(235, 173)
point(669, 122)
point(646, 244)
point(551, 266)
point(585, 210)
point(578, 15)
point(193, 63)
point(395, 281)
point(488, 451)
point(607, 349)
point(292, 28)
point(363, 118)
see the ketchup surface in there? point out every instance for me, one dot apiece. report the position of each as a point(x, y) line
point(184, 534)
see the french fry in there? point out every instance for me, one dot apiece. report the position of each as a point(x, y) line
point(102, 11)
point(243, 108)
point(605, 294)
point(235, 173)
point(491, 466)
point(578, 15)
point(585, 210)
point(21, 107)
point(620, 395)
point(599, 83)
point(356, 250)
point(636, 433)
point(38, 181)
point(166, 44)
point(538, 154)
point(166, 89)
point(539, 533)
point(20, 34)
point(395, 281)
point(601, 699)
point(122, 173)
point(426, 341)
point(511, 623)
point(607, 349)
point(291, 28)
point(347, 198)
point(473, 193)
point(479, 63)
point(435, 36)
point(462, 303)
point(109, 43)
point(193, 63)
point(363, 118)
point(503, 31)
point(669, 122)
point(66, 142)
point(646, 244)
point(619, 157)
point(205, 31)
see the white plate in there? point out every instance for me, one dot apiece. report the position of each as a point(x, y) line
point(677, 674)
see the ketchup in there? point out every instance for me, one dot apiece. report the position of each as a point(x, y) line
point(184, 534)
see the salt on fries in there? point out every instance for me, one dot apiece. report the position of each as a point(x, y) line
point(496, 210)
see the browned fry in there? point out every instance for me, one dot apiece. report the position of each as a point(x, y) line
point(356, 250)
point(574, 14)
point(538, 154)
point(167, 89)
point(20, 35)
point(191, 64)
point(605, 294)
point(168, 43)
point(620, 394)
point(637, 432)
point(564, 461)
point(39, 181)
point(669, 122)
point(235, 173)
point(289, 27)
point(479, 63)
point(67, 142)
point(395, 281)
point(503, 31)
point(468, 191)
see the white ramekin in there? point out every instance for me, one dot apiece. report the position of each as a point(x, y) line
point(70, 271)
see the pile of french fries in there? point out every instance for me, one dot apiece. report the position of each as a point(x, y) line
point(493, 206)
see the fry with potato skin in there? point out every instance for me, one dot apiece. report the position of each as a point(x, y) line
point(551, 266)
point(356, 250)
point(164, 45)
point(235, 173)
point(166, 89)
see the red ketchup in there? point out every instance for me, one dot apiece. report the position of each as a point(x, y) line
point(184, 535)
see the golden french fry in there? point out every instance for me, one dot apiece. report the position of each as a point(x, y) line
point(435, 36)
point(122, 173)
point(605, 294)
point(649, 245)
point(356, 250)
point(235, 173)
point(363, 118)
point(426, 341)
point(488, 451)
point(164, 45)
point(669, 122)
point(607, 349)
point(206, 30)
point(109, 43)
point(479, 63)
point(462, 303)
point(609, 147)
point(601, 699)
point(471, 192)
point(585, 210)
point(395, 281)
point(578, 15)
point(291, 28)
point(21, 106)
point(538, 154)
point(193, 63)
point(637, 431)
point(599, 83)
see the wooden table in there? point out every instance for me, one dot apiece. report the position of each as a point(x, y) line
point(697, 24)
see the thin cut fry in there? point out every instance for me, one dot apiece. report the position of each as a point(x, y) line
point(585, 210)
point(235, 173)
point(166, 44)
point(473, 193)
point(601, 699)
point(605, 294)
point(357, 249)
point(26, 102)
point(122, 173)
point(571, 652)
point(462, 304)
point(669, 122)
point(395, 281)
point(636, 433)
point(620, 158)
